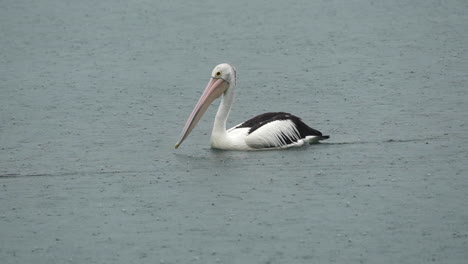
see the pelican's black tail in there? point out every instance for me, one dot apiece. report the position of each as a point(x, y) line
point(324, 137)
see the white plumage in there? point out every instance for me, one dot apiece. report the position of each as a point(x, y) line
point(273, 134)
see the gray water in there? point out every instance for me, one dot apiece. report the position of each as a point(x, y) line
point(94, 94)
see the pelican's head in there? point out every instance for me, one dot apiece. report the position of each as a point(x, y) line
point(226, 72)
point(223, 77)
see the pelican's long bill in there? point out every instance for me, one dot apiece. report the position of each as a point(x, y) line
point(214, 89)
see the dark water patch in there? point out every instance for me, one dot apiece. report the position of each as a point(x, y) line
point(76, 173)
point(427, 140)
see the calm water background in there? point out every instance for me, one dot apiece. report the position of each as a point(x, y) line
point(93, 96)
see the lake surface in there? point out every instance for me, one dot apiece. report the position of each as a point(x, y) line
point(93, 96)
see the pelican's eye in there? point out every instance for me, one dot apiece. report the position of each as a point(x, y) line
point(218, 73)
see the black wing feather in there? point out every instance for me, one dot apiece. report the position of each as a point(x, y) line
point(303, 129)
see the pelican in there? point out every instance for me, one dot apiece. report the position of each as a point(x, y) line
point(276, 130)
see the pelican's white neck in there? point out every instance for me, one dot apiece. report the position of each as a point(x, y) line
point(226, 72)
point(219, 127)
